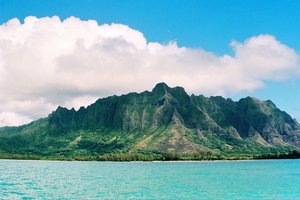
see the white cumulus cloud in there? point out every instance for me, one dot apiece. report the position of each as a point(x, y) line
point(46, 62)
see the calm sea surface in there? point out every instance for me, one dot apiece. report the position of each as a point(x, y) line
point(265, 179)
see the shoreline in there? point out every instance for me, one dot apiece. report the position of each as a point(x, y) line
point(154, 161)
point(143, 161)
point(154, 157)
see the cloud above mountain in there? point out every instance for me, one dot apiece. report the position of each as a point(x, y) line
point(46, 62)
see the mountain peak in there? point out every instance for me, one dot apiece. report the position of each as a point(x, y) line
point(60, 109)
point(160, 88)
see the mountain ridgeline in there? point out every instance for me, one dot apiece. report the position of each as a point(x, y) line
point(164, 124)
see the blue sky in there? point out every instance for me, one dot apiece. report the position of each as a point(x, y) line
point(209, 25)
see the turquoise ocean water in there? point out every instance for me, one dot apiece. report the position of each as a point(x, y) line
point(264, 179)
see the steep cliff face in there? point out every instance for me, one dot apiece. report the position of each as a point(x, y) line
point(251, 117)
point(163, 120)
point(136, 111)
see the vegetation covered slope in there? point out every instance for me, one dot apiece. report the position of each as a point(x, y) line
point(165, 123)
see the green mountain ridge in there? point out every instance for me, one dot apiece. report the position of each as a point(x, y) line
point(165, 123)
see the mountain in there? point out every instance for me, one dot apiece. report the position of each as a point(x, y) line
point(165, 123)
